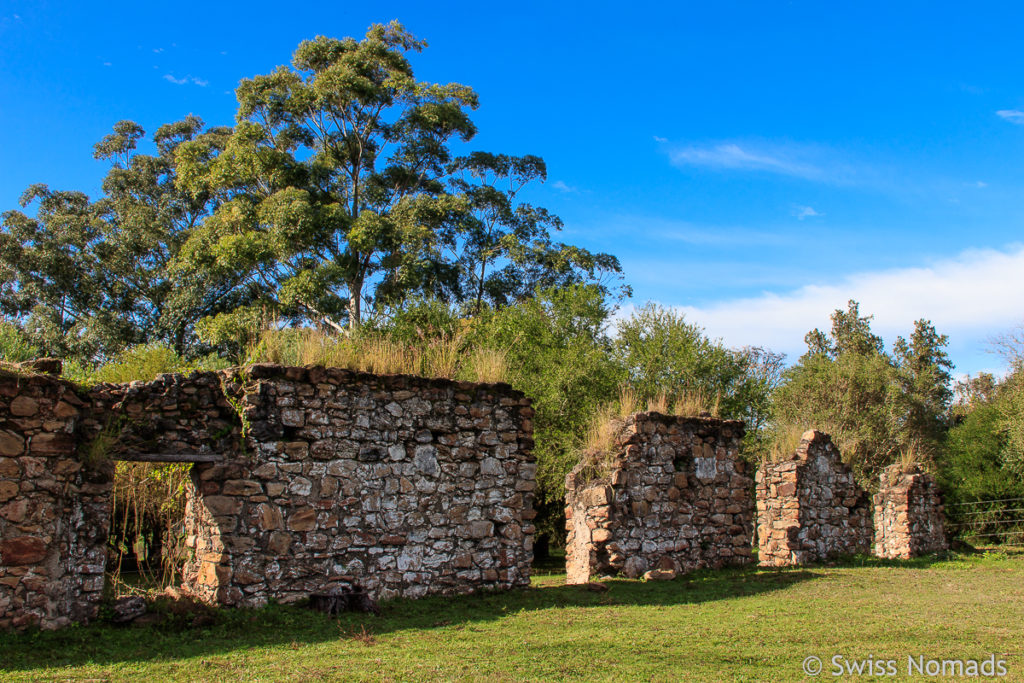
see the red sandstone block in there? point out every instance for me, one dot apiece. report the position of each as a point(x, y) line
point(22, 550)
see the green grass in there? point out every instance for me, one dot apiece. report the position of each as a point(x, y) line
point(745, 624)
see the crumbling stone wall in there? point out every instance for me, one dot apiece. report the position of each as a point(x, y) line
point(675, 498)
point(809, 507)
point(403, 485)
point(175, 414)
point(908, 515)
point(54, 510)
point(305, 480)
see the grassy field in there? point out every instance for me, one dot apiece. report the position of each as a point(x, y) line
point(744, 625)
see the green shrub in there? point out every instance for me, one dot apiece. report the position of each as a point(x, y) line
point(14, 345)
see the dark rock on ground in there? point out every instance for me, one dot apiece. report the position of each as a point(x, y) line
point(127, 610)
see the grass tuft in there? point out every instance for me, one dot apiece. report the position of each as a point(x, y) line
point(448, 356)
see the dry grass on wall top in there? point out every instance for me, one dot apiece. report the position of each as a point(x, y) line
point(783, 444)
point(696, 403)
point(914, 459)
point(451, 357)
point(601, 442)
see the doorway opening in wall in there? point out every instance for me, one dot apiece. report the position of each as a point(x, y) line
point(146, 548)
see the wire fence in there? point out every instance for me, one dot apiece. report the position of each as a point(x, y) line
point(988, 521)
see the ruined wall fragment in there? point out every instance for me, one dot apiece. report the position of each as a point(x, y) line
point(54, 509)
point(909, 519)
point(402, 485)
point(809, 508)
point(673, 496)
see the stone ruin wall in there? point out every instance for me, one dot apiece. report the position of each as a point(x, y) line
point(406, 486)
point(909, 518)
point(54, 510)
point(173, 415)
point(809, 508)
point(676, 498)
point(403, 485)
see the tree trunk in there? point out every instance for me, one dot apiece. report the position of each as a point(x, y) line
point(355, 296)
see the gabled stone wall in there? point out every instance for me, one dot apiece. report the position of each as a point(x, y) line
point(403, 485)
point(54, 510)
point(809, 508)
point(676, 497)
point(908, 515)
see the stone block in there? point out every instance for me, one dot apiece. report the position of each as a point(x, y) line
point(22, 550)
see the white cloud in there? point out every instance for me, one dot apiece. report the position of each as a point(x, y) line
point(187, 79)
point(562, 187)
point(1012, 115)
point(980, 184)
point(969, 297)
point(802, 212)
point(658, 138)
point(107, 64)
point(749, 157)
point(158, 50)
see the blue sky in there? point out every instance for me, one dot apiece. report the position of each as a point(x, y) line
point(755, 164)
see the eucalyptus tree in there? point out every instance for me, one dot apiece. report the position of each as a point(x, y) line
point(506, 252)
point(338, 186)
point(147, 219)
point(87, 278)
point(50, 277)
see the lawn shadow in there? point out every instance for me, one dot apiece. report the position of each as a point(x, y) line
point(285, 625)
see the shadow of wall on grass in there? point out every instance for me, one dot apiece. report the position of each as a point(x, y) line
point(279, 625)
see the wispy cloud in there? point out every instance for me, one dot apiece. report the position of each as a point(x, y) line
point(158, 50)
point(698, 234)
point(1012, 115)
point(802, 212)
point(186, 80)
point(819, 163)
point(658, 138)
point(980, 184)
point(562, 187)
point(969, 297)
point(746, 157)
point(107, 64)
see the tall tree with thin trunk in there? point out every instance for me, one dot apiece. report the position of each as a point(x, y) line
point(339, 187)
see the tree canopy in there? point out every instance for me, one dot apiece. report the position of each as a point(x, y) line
point(337, 193)
point(88, 278)
point(339, 187)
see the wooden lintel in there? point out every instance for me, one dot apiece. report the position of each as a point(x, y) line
point(168, 457)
